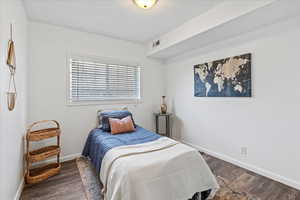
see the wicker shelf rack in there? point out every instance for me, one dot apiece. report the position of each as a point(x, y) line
point(37, 174)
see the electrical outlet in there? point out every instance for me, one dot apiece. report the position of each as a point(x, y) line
point(244, 151)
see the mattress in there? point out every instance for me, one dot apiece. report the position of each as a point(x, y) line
point(99, 142)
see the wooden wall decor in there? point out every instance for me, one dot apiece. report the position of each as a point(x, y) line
point(11, 62)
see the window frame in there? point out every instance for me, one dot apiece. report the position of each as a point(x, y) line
point(105, 60)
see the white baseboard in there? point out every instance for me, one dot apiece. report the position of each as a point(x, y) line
point(20, 189)
point(69, 157)
point(260, 171)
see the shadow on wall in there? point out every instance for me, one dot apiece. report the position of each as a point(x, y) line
point(176, 123)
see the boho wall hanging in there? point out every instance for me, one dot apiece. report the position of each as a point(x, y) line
point(229, 77)
point(11, 62)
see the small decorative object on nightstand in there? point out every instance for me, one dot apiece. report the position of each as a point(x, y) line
point(38, 174)
point(163, 106)
point(167, 117)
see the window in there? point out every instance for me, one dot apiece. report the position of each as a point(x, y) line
point(92, 81)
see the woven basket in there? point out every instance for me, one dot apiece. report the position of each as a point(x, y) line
point(39, 174)
point(35, 175)
point(43, 134)
point(43, 153)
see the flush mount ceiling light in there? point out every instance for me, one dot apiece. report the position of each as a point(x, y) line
point(145, 4)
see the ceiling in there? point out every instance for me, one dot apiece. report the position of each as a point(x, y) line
point(118, 18)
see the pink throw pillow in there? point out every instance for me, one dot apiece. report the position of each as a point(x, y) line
point(121, 125)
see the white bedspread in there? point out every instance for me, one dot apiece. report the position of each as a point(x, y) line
point(161, 170)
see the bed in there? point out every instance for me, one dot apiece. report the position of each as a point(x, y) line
point(143, 165)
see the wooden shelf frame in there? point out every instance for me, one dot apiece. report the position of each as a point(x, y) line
point(38, 174)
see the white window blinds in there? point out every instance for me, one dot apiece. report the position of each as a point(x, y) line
point(97, 81)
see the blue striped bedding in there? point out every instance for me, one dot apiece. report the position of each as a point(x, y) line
point(100, 142)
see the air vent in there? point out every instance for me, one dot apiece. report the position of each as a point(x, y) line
point(155, 43)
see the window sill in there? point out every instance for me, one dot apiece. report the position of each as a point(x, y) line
point(104, 102)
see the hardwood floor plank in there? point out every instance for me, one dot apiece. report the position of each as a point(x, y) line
point(64, 186)
point(68, 185)
point(243, 180)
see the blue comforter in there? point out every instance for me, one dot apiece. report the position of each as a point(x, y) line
point(100, 142)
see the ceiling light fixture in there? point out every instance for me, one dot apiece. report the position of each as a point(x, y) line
point(145, 4)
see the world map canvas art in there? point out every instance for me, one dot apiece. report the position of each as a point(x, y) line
point(229, 77)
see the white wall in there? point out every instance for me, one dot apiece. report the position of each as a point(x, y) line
point(12, 124)
point(267, 124)
point(218, 15)
point(48, 51)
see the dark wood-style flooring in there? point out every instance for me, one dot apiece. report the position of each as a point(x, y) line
point(68, 186)
point(240, 179)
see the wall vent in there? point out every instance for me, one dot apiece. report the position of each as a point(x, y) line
point(155, 43)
